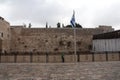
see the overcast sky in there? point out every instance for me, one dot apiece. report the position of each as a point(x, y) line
point(88, 13)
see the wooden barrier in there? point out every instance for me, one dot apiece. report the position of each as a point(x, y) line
point(7, 59)
point(39, 58)
point(100, 57)
point(23, 59)
point(85, 57)
point(54, 59)
point(69, 58)
point(58, 58)
point(113, 56)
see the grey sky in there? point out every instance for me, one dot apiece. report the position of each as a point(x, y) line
point(89, 13)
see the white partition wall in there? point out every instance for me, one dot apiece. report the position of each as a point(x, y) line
point(100, 45)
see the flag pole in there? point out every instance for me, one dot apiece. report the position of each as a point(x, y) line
point(75, 52)
point(72, 21)
point(75, 46)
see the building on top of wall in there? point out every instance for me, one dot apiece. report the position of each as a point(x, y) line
point(106, 28)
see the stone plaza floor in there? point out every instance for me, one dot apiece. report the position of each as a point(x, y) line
point(61, 71)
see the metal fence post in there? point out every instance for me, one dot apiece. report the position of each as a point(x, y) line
point(31, 57)
point(0, 57)
point(78, 60)
point(15, 57)
point(119, 56)
point(106, 56)
point(93, 58)
point(46, 57)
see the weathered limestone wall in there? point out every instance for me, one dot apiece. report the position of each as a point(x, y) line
point(4, 35)
point(51, 39)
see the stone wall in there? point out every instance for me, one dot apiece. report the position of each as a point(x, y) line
point(4, 35)
point(0, 45)
point(51, 39)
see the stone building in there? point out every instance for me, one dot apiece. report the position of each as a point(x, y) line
point(4, 35)
point(21, 39)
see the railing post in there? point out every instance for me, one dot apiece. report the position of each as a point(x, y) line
point(78, 60)
point(93, 58)
point(0, 57)
point(15, 57)
point(106, 56)
point(31, 57)
point(46, 57)
point(119, 56)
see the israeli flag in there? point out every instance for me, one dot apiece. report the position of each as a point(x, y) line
point(72, 21)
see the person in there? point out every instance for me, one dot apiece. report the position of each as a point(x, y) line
point(62, 56)
point(29, 25)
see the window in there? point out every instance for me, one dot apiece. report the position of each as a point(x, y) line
point(1, 34)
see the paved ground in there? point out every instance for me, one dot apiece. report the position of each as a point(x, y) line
point(59, 71)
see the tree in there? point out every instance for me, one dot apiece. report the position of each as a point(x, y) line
point(46, 25)
point(77, 26)
point(63, 26)
point(58, 25)
point(29, 25)
point(68, 26)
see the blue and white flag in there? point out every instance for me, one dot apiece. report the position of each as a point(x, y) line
point(72, 21)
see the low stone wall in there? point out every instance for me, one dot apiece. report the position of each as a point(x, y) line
point(58, 58)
